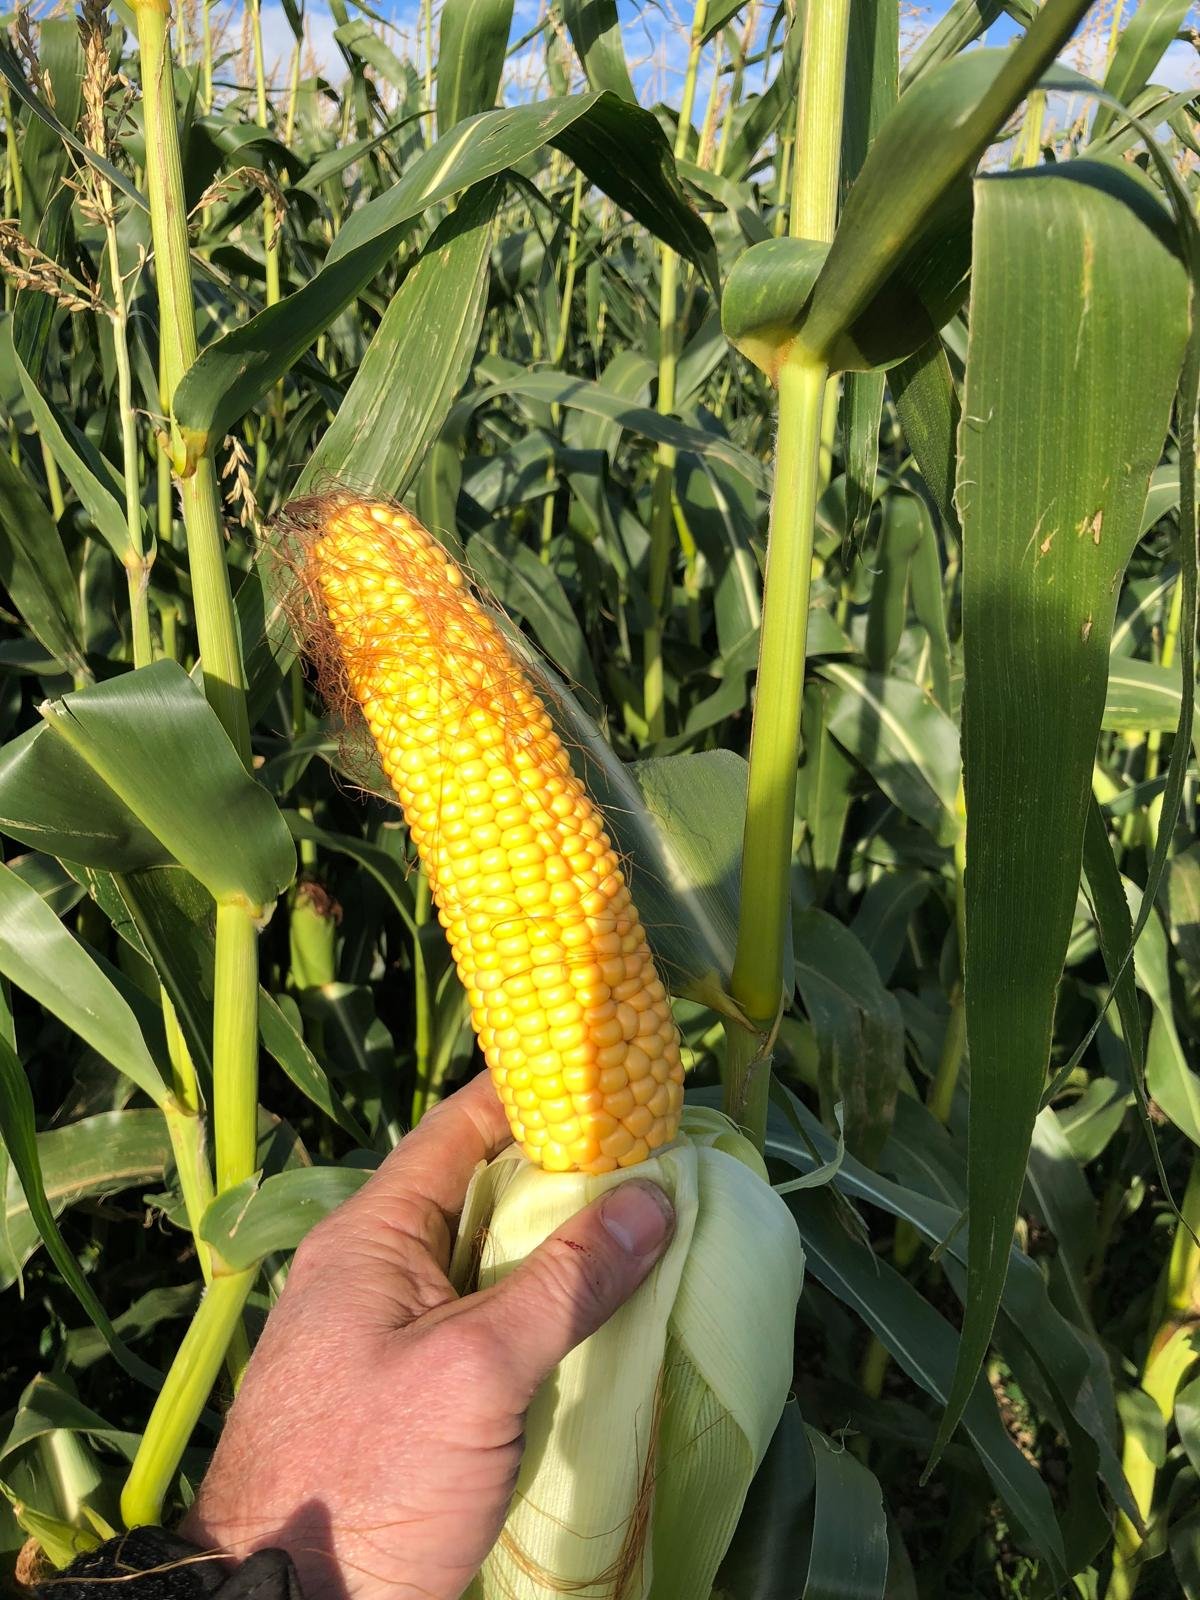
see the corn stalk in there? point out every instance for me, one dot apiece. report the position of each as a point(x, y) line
point(758, 976)
point(235, 1003)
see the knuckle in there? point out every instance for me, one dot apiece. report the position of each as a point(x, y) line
point(467, 1345)
point(574, 1279)
point(316, 1253)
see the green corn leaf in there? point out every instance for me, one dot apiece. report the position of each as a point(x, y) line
point(39, 955)
point(927, 404)
point(528, 589)
point(18, 1131)
point(472, 45)
point(598, 400)
point(360, 39)
point(133, 735)
point(249, 1222)
point(621, 148)
point(720, 15)
point(904, 740)
point(862, 408)
point(771, 1540)
point(45, 217)
point(922, 153)
point(860, 1037)
point(825, 788)
point(99, 1155)
point(848, 1557)
point(964, 22)
point(85, 469)
point(926, 581)
point(922, 1343)
point(931, 1196)
point(35, 571)
point(394, 408)
point(902, 528)
point(1142, 696)
point(1046, 536)
point(1143, 42)
point(595, 31)
point(62, 134)
point(1114, 929)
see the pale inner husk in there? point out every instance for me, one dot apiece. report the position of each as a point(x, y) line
point(641, 1447)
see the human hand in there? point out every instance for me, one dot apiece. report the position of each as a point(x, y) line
point(378, 1432)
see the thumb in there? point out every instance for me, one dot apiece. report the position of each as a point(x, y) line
point(574, 1281)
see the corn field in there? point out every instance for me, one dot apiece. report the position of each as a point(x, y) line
point(808, 392)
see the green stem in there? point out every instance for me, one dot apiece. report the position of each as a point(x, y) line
point(785, 150)
point(53, 481)
point(208, 57)
point(765, 911)
point(1182, 1279)
point(945, 1081)
point(216, 620)
point(568, 289)
point(235, 1046)
point(13, 177)
point(819, 120)
point(182, 1397)
point(168, 621)
point(670, 333)
point(1172, 1350)
point(764, 914)
point(427, 20)
point(1029, 150)
point(185, 1126)
point(137, 566)
point(293, 99)
point(735, 88)
point(1165, 1370)
point(216, 1333)
point(940, 1098)
point(1166, 658)
point(185, 1129)
point(270, 244)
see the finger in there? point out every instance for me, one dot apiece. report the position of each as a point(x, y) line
point(419, 1189)
point(572, 1283)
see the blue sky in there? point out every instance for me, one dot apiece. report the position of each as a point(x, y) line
point(654, 33)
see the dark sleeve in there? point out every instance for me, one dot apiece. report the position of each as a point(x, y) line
point(172, 1569)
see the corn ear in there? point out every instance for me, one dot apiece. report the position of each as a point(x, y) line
point(572, 1017)
point(641, 1448)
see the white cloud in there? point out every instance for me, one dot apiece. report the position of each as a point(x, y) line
point(1179, 68)
point(655, 38)
point(279, 41)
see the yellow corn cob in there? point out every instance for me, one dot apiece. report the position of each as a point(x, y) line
point(572, 1017)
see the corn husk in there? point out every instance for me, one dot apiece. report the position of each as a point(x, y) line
point(641, 1447)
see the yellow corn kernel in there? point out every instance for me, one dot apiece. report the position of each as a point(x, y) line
point(565, 998)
